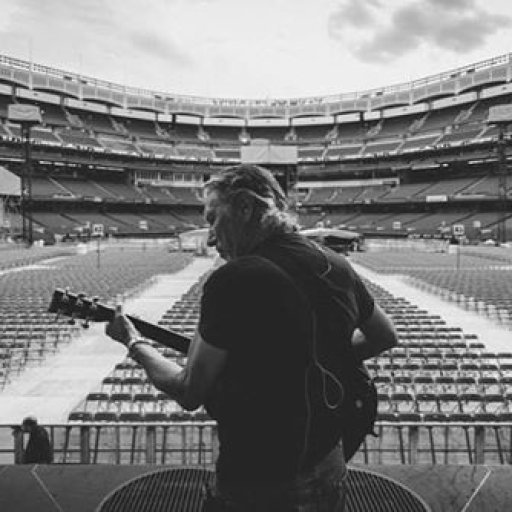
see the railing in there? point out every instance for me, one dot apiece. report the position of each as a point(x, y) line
point(179, 443)
point(239, 102)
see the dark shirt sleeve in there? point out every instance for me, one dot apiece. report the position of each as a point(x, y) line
point(225, 294)
point(233, 299)
point(365, 301)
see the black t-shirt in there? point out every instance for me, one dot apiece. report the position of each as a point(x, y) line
point(259, 309)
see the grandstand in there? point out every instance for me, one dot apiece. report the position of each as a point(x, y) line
point(438, 147)
point(404, 165)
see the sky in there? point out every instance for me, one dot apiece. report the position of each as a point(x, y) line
point(256, 49)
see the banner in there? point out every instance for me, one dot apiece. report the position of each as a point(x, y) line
point(10, 184)
point(262, 154)
point(500, 114)
point(23, 113)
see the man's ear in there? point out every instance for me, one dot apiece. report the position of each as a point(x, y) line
point(243, 205)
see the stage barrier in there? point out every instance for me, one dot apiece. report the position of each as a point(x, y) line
point(196, 443)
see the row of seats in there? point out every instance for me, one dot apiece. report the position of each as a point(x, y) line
point(12, 256)
point(486, 291)
point(435, 121)
point(457, 188)
point(29, 333)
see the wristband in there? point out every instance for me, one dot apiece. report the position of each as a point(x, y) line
point(135, 341)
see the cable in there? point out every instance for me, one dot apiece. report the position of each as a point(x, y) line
point(325, 374)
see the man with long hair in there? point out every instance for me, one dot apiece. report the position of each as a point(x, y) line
point(280, 323)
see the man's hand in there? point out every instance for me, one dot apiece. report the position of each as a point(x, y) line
point(121, 329)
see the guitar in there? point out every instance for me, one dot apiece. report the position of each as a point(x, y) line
point(360, 410)
point(79, 306)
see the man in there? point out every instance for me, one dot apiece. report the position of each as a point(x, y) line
point(38, 450)
point(279, 323)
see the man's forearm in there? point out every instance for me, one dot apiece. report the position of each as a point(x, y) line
point(165, 374)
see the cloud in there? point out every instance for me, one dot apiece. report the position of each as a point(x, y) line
point(354, 13)
point(372, 34)
point(95, 13)
point(457, 5)
point(155, 46)
point(112, 31)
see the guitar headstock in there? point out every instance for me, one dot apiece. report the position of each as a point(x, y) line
point(78, 306)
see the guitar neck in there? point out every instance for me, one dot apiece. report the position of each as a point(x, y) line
point(81, 307)
point(163, 336)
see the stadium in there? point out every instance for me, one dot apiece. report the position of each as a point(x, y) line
point(100, 194)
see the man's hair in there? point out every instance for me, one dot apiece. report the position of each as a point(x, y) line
point(29, 421)
point(259, 183)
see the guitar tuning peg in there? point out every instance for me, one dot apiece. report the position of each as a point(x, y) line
point(72, 320)
point(94, 306)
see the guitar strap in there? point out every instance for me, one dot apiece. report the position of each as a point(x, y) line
point(317, 293)
point(361, 389)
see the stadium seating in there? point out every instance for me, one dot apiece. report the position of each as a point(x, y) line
point(157, 148)
point(28, 333)
point(54, 222)
point(42, 135)
point(157, 194)
point(479, 285)
point(420, 141)
point(228, 153)
point(312, 133)
point(320, 195)
point(77, 137)
point(224, 133)
point(120, 191)
point(193, 151)
point(81, 188)
point(381, 146)
point(344, 150)
point(99, 123)
point(447, 187)
point(396, 126)
point(485, 185)
point(273, 133)
point(439, 119)
point(437, 373)
point(118, 143)
point(142, 129)
point(46, 187)
point(311, 152)
point(180, 132)
point(406, 191)
point(54, 115)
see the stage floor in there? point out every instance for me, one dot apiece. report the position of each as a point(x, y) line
point(87, 488)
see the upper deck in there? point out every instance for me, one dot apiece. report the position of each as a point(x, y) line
point(25, 74)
